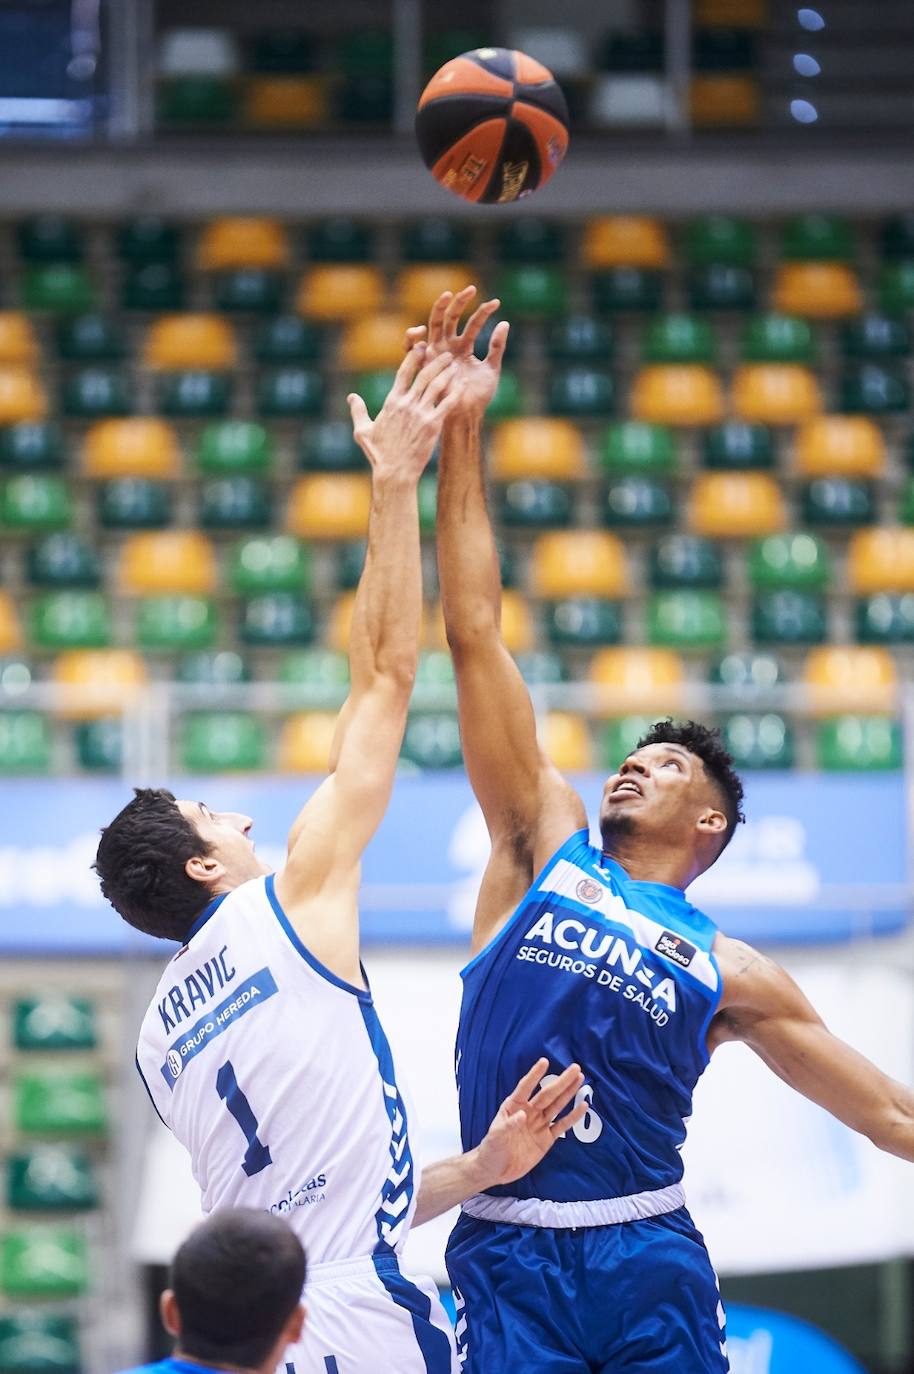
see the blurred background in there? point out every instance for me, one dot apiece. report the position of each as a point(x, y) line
point(213, 224)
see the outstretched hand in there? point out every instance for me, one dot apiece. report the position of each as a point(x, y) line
point(525, 1128)
point(402, 437)
point(477, 378)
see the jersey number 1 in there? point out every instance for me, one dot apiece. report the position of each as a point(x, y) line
point(257, 1155)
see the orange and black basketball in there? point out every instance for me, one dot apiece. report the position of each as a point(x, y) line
point(492, 125)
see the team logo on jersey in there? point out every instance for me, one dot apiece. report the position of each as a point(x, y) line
point(589, 891)
point(173, 1060)
point(676, 948)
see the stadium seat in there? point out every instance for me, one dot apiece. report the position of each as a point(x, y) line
point(95, 392)
point(636, 679)
point(54, 1022)
point(140, 446)
point(134, 503)
point(33, 1339)
point(304, 742)
point(172, 561)
point(22, 396)
point(198, 342)
point(678, 339)
point(272, 563)
point(542, 448)
point(286, 102)
point(373, 387)
point(840, 446)
point(721, 287)
point(339, 625)
point(579, 339)
point(276, 619)
point(70, 620)
point(432, 740)
point(852, 743)
point(627, 289)
point(100, 745)
point(97, 682)
point(153, 287)
point(736, 505)
point(148, 238)
point(886, 618)
point(25, 743)
point(223, 742)
point(686, 619)
point(725, 100)
point(374, 341)
point(541, 668)
point(291, 392)
point(566, 740)
point(516, 625)
point(35, 503)
point(684, 561)
point(341, 239)
point(50, 238)
point(337, 293)
point(167, 624)
point(435, 239)
point(59, 1102)
point(775, 393)
point(321, 675)
point(59, 288)
point(789, 616)
point(31, 444)
point(895, 291)
point(841, 679)
point(881, 560)
point(905, 507)
point(210, 672)
point(637, 448)
point(288, 339)
point(417, 288)
point(15, 675)
point(759, 741)
point(581, 392)
point(91, 339)
point(636, 502)
point(625, 241)
point(873, 389)
point(43, 1262)
point(737, 446)
point(532, 289)
point(874, 338)
point(18, 344)
point(253, 290)
point(10, 631)
point(821, 290)
point(435, 670)
point(51, 1178)
point(325, 506)
point(195, 394)
point(778, 339)
point(583, 622)
point(720, 239)
point(618, 738)
point(897, 237)
point(242, 241)
point(535, 504)
point(633, 50)
point(748, 674)
point(331, 447)
point(686, 395)
point(63, 560)
point(837, 502)
point(817, 238)
point(349, 564)
point(799, 562)
point(530, 240)
point(234, 447)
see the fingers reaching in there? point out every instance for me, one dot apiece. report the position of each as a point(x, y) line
point(498, 343)
point(476, 321)
point(436, 317)
point(408, 369)
point(440, 383)
point(530, 1082)
point(568, 1123)
point(556, 1096)
point(454, 311)
point(415, 335)
point(360, 417)
point(429, 372)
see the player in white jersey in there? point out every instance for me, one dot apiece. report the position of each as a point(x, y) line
point(262, 1049)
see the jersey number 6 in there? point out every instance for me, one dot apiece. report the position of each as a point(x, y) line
point(590, 1126)
point(257, 1155)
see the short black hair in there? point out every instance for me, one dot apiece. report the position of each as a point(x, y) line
point(237, 1279)
point(140, 861)
point(706, 744)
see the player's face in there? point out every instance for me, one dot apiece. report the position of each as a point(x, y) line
point(661, 789)
point(228, 835)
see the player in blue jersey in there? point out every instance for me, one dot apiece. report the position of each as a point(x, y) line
point(594, 953)
point(232, 1253)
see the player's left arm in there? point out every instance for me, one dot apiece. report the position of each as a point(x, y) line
point(523, 1132)
point(762, 1006)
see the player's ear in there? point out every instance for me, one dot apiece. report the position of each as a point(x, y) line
point(168, 1310)
point(712, 822)
point(295, 1325)
point(203, 868)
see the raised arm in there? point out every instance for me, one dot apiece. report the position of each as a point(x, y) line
point(762, 1006)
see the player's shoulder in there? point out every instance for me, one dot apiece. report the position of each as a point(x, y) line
point(747, 975)
point(171, 1366)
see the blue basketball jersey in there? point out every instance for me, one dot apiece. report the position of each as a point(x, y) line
point(617, 976)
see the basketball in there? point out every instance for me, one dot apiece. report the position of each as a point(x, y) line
point(492, 125)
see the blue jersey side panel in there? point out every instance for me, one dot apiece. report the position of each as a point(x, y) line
point(617, 976)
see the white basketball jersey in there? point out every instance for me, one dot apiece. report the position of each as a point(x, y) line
point(277, 1077)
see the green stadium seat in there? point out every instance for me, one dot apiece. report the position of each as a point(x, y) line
point(637, 501)
point(720, 239)
point(276, 619)
point(133, 503)
point(63, 560)
point(719, 286)
point(319, 676)
point(35, 502)
point(350, 563)
point(871, 389)
point(724, 50)
point(25, 743)
point(508, 400)
point(789, 617)
point(63, 1102)
point(170, 623)
point(897, 237)
point(838, 502)
point(31, 444)
point(886, 618)
point(535, 503)
point(685, 561)
point(61, 288)
point(95, 392)
point(532, 289)
point(148, 238)
point(233, 447)
point(196, 98)
point(70, 620)
point(51, 1178)
point(848, 744)
point(43, 1262)
point(748, 674)
point(895, 291)
point(541, 668)
point(54, 1022)
point(637, 448)
point(435, 239)
point(367, 52)
point(582, 393)
point(685, 619)
point(49, 238)
point(737, 446)
point(759, 741)
point(291, 392)
point(579, 339)
point(100, 744)
point(530, 240)
point(798, 561)
point(366, 100)
point(283, 52)
point(817, 238)
point(271, 563)
point(906, 503)
point(778, 339)
point(211, 671)
point(157, 287)
point(223, 742)
point(435, 670)
point(632, 50)
point(235, 503)
point(341, 239)
point(253, 289)
point(288, 339)
point(627, 289)
point(678, 339)
point(91, 339)
point(441, 45)
point(33, 1341)
point(330, 447)
point(195, 394)
point(619, 738)
point(432, 740)
point(428, 503)
point(873, 337)
point(583, 622)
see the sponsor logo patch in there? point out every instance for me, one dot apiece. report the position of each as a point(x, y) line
point(588, 891)
point(173, 1060)
point(676, 948)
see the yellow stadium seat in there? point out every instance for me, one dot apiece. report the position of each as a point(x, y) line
point(97, 682)
point(419, 287)
point(678, 394)
point(18, 343)
point(373, 342)
point(305, 740)
point(736, 505)
point(776, 393)
point(10, 629)
point(340, 292)
point(340, 623)
point(566, 739)
point(635, 679)
point(190, 341)
point(330, 506)
point(881, 560)
point(22, 396)
point(551, 449)
point(578, 563)
point(164, 561)
point(823, 290)
point(625, 241)
point(243, 241)
point(725, 100)
point(730, 14)
point(516, 624)
point(840, 446)
point(278, 102)
point(853, 678)
point(141, 446)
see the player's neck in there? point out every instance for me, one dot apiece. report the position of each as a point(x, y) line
point(180, 1355)
point(644, 864)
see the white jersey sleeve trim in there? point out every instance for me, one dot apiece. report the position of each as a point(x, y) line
point(363, 994)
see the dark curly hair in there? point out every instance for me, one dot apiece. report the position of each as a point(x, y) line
point(706, 744)
point(140, 861)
